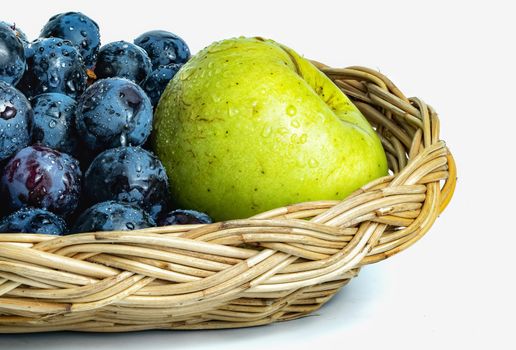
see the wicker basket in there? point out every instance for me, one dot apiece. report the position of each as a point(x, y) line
point(277, 266)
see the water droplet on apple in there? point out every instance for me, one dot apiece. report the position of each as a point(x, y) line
point(295, 124)
point(233, 111)
point(186, 73)
point(282, 131)
point(313, 163)
point(291, 110)
point(203, 73)
point(266, 132)
point(303, 138)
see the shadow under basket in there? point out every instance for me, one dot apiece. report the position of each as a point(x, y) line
point(276, 266)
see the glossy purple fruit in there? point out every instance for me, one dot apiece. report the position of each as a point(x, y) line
point(15, 121)
point(163, 47)
point(158, 80)
point(33, 220)
point(53, 65)
point(124, 60)
point(12, 55)
point(113, 216)
point(81, 30)
point(19, 33)
point(185, 217)
point(54, 122)
point(129, 175)
point(113, 112)
point(41, 177)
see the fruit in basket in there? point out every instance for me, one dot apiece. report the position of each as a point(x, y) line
point(41, 177)
point(19, 33)
point(130, 175)
point(33, 220)
point(124, 60)
point(15, 121)
point(112, 216)
point(53, 65)
point(113, 112)
point(184, 217)
point(163, 48)
point(248, 125)
point(78, 28)
point(12, 55)
point(54, 122)
point(158, 80)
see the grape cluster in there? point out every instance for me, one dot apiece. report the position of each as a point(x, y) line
point(75, 117)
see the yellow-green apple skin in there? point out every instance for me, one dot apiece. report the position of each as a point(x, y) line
point(248, 125)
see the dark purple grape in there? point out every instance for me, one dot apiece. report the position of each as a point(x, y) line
point(158, 80)
point(163, 48)
point(12, 55)
point(130, 175)
point(113, 112)
point(19, 33)
point(41, 177)
point(79, 29)
point(53, 65)
point(124, 60)
point(113, 216)
point(15, 121)
point(54, 122)
point(33, 220)
point(184, 217)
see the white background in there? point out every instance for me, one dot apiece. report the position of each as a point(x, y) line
point(454, 288)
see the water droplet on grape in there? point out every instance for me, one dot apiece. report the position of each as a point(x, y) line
point(123, 139)
point(70, 84)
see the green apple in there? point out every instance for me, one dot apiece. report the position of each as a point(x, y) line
point(248, 125)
